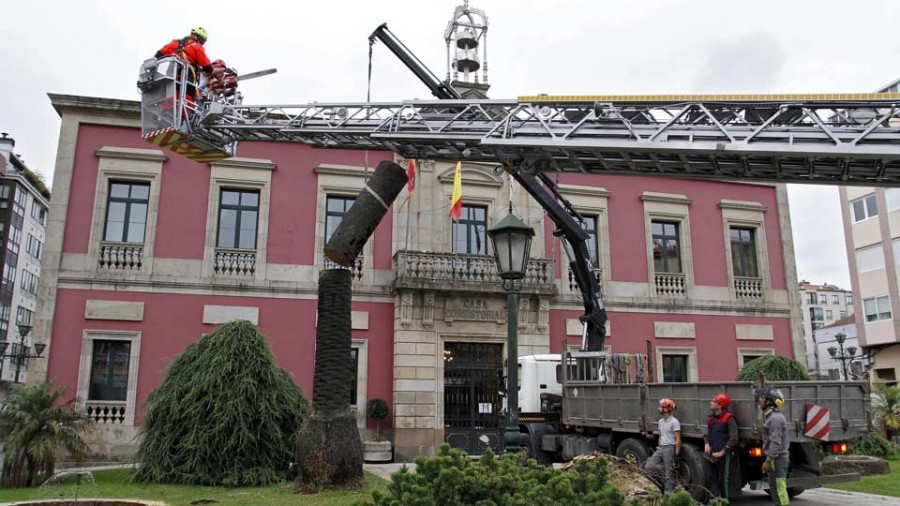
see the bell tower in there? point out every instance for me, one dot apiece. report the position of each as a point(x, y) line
point(466, 38)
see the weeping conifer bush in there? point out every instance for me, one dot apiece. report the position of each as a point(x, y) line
point(775, 368)
point(225, 414)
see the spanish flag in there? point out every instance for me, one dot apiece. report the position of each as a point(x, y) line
point(456, 201)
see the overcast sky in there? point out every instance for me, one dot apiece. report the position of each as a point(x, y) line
point(94, 48)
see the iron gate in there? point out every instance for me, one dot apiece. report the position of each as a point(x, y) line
point(472, 402)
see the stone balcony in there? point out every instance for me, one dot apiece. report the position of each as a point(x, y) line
point(467, 273)
point(746, 288)
point(121, 256)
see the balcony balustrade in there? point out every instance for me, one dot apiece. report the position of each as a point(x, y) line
point(670, 284)
point(356, 269)
point(235, 262)
point(573, 285)
point(121, 256)
point(478, 273)
point(106, 412)
point(748, 288)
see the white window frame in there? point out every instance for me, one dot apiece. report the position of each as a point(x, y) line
point(867, 216)
point(238, 174)
point(675, 209)
point(745, 214)
point(870, 258)
point(362, 374)
point(892, 196)
point(743, 352)
point(143, 166)
point(690, 351)
point(86, 363)
point(594, 201)
point(878, 312)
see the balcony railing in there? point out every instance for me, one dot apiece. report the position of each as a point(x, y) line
point(448, 271)
point(670, 284)
point(235, 262)
point(748, 288)
point(121, 256)
point(356, 269)
point(573, 285)
point(106, 412)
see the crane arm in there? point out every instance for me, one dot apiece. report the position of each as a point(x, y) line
point(438, 88)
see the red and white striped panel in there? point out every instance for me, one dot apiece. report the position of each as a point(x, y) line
point(818, 422)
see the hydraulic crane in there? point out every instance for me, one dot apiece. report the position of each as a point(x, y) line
point(848, 138)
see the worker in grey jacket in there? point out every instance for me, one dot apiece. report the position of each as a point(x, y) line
point(776, 443)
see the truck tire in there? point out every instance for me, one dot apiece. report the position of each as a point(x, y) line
point(634, 451)
point(692, 472)
point(530, 451)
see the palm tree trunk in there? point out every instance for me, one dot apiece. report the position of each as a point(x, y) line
point(329, 451)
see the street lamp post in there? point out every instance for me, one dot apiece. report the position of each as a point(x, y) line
point(22, 353)
point(512, 242)
point(841, 355)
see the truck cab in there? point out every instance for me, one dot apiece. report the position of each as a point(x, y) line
point(538, 374)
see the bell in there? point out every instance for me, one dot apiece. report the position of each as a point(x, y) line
point(466, 39)
point(467, 60)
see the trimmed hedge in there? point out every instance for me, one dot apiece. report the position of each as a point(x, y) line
point(873, 445)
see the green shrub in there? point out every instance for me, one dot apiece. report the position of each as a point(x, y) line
point(873, 445)
point(225, 414)
point(775, 368)
point(452, 478)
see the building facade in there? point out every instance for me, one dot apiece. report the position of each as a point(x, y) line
point(821, 306)
point(147, 251)
point(872, 232)
point(24, 203)
point(839, 352)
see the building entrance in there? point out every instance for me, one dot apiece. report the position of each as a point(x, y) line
point(472, 402)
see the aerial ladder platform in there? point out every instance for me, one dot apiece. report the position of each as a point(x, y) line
point(832, 138)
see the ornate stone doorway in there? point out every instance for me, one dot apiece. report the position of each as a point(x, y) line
point(472, 402)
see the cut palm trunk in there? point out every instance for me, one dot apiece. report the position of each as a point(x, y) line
point(329, 451)
point(370, 206)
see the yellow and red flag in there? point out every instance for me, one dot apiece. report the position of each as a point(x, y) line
point(456, 201)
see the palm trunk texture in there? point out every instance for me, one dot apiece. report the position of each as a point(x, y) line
point(329, 450)
point(370, 206)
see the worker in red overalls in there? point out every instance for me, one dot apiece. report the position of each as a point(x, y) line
point(190, 49)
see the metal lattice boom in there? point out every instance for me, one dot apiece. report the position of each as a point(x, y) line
point(846, 139)
point(822, 138)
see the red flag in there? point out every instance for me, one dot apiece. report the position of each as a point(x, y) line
point(456, 201)
point(411, 175)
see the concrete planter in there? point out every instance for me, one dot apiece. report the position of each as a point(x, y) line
point(377, 451)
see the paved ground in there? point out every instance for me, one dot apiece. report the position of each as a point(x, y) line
point(821, 496)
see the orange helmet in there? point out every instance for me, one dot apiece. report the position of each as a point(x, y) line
point(723, 399)
point(668, 404)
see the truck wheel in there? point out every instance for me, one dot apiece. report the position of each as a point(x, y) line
point(634, 451)
point(530, 452)
point(692, 472)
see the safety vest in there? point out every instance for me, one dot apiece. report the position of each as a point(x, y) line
point(718, 430)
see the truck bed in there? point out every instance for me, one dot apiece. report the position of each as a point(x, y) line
point(633, 407)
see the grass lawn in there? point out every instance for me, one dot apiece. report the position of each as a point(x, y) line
point(117, 483)
point(883, 484)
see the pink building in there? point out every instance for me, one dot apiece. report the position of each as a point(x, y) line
point(146, 251)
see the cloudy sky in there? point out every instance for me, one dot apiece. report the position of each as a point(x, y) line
point(94, 48)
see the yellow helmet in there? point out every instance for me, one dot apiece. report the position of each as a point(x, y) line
point(200, 32)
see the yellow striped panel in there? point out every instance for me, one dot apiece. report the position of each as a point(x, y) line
point(749, 97)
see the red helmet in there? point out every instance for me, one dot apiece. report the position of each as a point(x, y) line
point(667, 404)
point(723, 399)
